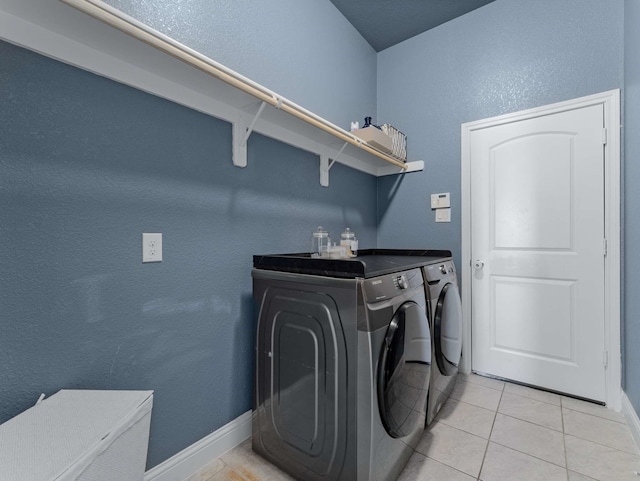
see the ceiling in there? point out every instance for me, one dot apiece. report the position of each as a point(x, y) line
point(384, 23)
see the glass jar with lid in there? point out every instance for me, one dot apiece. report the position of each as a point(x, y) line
point(348, 239)
point(320, 242)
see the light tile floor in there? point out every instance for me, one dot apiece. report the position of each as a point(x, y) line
point(493, 431)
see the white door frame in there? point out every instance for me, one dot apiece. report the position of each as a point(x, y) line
point(611, 102)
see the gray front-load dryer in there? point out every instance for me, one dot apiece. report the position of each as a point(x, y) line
point(446, 327)
point(343, 367)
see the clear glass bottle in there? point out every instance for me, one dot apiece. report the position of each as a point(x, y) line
point(348, 239)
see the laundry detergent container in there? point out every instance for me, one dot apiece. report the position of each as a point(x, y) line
point(78, 435)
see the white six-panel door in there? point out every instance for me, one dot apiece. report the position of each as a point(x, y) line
point(537, 249)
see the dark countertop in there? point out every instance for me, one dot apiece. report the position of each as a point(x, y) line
point(369, 263)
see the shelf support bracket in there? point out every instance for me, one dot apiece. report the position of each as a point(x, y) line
point(326, 164)
point(338, 154)
point(239, 153)
point(241, 134)
point(324, 170)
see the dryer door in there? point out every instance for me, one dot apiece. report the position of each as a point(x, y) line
point(447, 330)
point(404, 371)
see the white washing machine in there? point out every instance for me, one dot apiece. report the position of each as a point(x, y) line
point(445, 316)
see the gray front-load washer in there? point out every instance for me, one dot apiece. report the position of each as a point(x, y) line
point(343, 366)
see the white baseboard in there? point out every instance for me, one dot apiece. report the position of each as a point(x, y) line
point(198, 455)
point(631, 416)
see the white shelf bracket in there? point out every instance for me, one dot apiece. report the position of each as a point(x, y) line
point(326, 164)
point(324, 170)
point(239, 154)
point(241, 133)
point(247, 134)
point(338, 154)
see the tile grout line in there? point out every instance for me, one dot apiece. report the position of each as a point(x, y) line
point(602, 445)
point(486, 449)
point(537, 425)
point(591, 440)
point(533, 423)
point(595, 416)
point(564, 440)
point(533, 398)
point(443, 464)
point(479, 384)
point(530, 455)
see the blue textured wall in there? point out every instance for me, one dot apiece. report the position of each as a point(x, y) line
point(86, 166)
point(631, 325)
point(504, 57)
point(304, 50)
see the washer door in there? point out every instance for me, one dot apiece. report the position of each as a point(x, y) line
point(447, 330)
point(404, 371)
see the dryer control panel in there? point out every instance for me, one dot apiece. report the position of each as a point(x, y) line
point(438, 271)
point(446, 268)
point(385, 287)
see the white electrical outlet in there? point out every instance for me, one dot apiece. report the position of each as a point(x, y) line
point(151, 247)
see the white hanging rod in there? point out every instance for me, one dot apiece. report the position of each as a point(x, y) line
point(114, 17)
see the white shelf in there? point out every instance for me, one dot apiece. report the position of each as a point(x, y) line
point(59, 31)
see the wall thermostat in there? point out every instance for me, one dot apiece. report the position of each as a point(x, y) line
point(440, 201)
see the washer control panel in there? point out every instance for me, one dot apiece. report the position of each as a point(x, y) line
point(401, 281)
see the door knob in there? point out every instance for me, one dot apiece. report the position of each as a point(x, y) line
point(478, 265)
